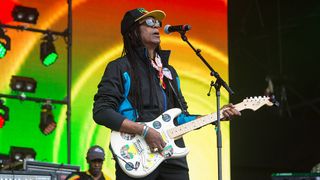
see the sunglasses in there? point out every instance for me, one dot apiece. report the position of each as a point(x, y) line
point(152, 23)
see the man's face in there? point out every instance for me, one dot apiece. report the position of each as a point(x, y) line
point(95, 166)
point(149, 31)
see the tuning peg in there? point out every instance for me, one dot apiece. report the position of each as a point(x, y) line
point(274, 101)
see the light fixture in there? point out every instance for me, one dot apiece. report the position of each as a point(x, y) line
point(3, 50)
point(4, 43)
point(21, 154)
point(25, 14)
point(23, 84)
point(47, 123)
point(4, 113)
point(4, 160)
point(48, 54)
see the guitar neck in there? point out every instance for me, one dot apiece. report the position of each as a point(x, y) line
point(179, 131)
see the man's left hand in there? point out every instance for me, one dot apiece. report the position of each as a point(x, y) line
point(229, 110)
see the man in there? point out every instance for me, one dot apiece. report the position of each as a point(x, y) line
point(95, 158)
point(141, 85)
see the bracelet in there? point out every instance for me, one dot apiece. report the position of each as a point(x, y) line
point(145, 131)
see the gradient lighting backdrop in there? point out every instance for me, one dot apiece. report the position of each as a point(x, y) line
point(97, 41)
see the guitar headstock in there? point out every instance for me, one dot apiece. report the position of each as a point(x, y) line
point(255, 102)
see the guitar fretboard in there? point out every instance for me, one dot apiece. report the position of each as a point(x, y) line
point(179, 131)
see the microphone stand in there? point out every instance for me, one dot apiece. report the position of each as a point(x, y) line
point(217, 85)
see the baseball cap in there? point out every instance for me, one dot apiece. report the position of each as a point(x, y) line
point(135, 15)
point(95, 152)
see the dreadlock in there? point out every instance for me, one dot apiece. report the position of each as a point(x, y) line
point(132, 41)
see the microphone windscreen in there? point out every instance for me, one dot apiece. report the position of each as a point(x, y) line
point(166, 29)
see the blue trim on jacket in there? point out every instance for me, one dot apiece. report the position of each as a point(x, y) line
point(126, 108)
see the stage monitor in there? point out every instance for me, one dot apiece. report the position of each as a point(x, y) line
point(24, 175)
point(60, 171)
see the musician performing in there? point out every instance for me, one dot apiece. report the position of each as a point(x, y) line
point(140, 100)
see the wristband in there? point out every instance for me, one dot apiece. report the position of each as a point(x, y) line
point(145, 131)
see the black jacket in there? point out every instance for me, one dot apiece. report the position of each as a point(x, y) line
point(111, 94)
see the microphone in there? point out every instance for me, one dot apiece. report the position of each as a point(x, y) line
point(179, 28)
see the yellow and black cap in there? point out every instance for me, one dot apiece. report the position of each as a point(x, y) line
point(135, 15)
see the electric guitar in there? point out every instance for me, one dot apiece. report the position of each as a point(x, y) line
point(136, 158)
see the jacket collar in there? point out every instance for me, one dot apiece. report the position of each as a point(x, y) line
point(164, 54)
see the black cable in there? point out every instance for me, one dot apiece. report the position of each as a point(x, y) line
point(132, 166)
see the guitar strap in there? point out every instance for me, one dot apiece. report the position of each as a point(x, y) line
point(184, 111)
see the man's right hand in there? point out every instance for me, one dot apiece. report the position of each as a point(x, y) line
point(152, 137)
point(154, 140)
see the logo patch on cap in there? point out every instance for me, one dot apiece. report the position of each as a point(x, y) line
point(142, 10)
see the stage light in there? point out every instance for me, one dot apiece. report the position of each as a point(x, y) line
point(47, 123)
point(4, 113)
point(3, 50)
point(22, 154)
point(17, 158)
point(25, 14)
point(4, 43)
point(48, 54)
point(23, 84)
point(4, 160)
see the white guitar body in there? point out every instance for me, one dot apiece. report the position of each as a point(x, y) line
point(135, 156)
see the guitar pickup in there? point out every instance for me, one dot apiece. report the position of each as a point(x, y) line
point(138, 146)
